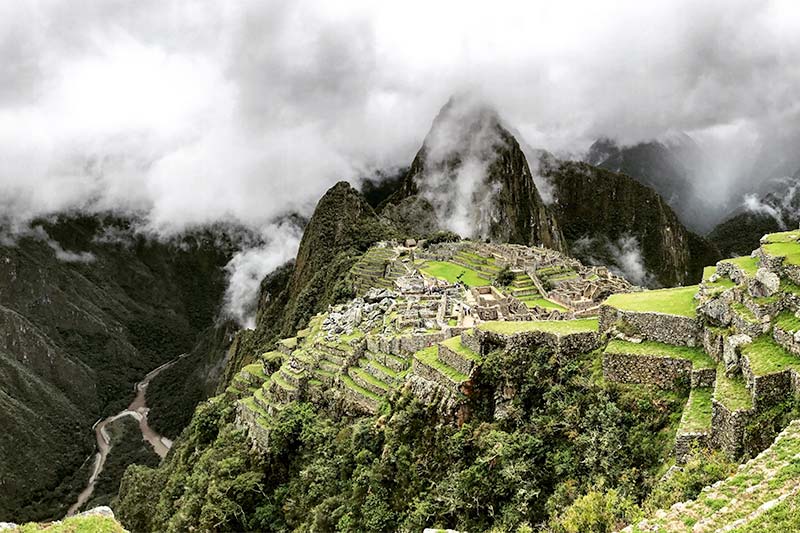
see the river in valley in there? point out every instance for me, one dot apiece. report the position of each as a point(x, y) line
point(138, 410)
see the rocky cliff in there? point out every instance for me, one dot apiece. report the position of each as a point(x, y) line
point(671, 166)
point(473, 173)
point(610, 218)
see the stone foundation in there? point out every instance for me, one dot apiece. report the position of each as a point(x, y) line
point(727, 429)
point(687, 443)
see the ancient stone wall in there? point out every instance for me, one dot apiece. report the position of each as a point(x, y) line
point(727, 428)
point(669, 329)
point(663, 372)
point(713, 343)
point(687, 443)
point(247, 419)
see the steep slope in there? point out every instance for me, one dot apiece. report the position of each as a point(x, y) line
point(342, 228)
point(612, 219)
point(473, 173)
point(87, 307)
point(670, 166)
point(775, 208)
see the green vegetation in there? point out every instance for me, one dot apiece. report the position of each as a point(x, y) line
point(566, 433)
point(504, 277)
point(698, 356)
point(783, 236)
point(789, 250)
point(75, 524)
point(787, 321)
point(537, 301)
point(697, 413)
point(731, 392)
point(454, 344)
point(679, 301)
point(767, 356)
point(744, 312)
point(430, 357)
point(453, 273)
point(350, 384)
point(746, 263)
point(559, 327)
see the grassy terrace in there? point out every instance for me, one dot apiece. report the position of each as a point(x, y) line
point(257, 370)
point(731, 392)
point(678, 301)
point(454, 344)
point(453, 273)
point(697, 413)
point(749, 265)
point(430, 357)
point(767, 357)
point(538, 301)
point(558, 327)
point(744, 312)
point(787, 321)
point(722, 283)
point(369, 378)
point(698, 357)
point(350, 384)
point(783, 236)
point(789, 250)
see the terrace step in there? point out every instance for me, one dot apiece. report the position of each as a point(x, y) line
point(381, 372)
point(398, 364)
point(367, 381)
point(427, 365)
point(454, 354)
point(364, 399)
point(261, 399)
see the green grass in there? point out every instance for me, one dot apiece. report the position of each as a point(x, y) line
point(538, 301)
point(789, 250)
point(678, 301)
point(748, 265)
point(385, 369)
point(290, 343)
point(783, 236)
point(698, 357)
point(281, 381)
point(731, 392)
point(454, 344)
point(743, 311)
point(257, 370)
point(251, 404)
point(429, 356)
point(454, 273)
point(697, 413)
point(369, 378)
point(75, 524)
point(722, 283)
point(787, 321)
point(350, 384)
point(708, 272)
point(767, 356)
point(559, 327)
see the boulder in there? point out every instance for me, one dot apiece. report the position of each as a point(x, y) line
point(718, 311)
point(730, 353)
point(765, 284)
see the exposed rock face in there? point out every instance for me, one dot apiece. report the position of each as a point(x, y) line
point(670, 166)
point(597, 209)
point(473, 172)
point(765, 284)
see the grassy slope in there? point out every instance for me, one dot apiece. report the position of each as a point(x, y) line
point(679, 301)
point(559, 327)
point(453, 273)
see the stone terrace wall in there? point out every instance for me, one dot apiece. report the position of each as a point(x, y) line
point(769, 389)
point(247, 419)
point(686, 443)
point(663, 372)
point(569, 345)
point(786, 339)
point(727, 431)
point(669, 329)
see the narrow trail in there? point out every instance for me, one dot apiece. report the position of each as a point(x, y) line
point(138, 410)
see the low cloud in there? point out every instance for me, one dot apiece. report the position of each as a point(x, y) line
point(622, 256)
point(249, 266)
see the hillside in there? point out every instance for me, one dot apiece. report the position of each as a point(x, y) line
point(474, 176)
point(612, 219)
point(88, 307)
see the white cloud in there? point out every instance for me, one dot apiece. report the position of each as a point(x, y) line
point(198, 111)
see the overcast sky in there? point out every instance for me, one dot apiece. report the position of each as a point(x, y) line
point(193, 111)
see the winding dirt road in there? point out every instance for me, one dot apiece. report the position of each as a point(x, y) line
point(138, 410)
